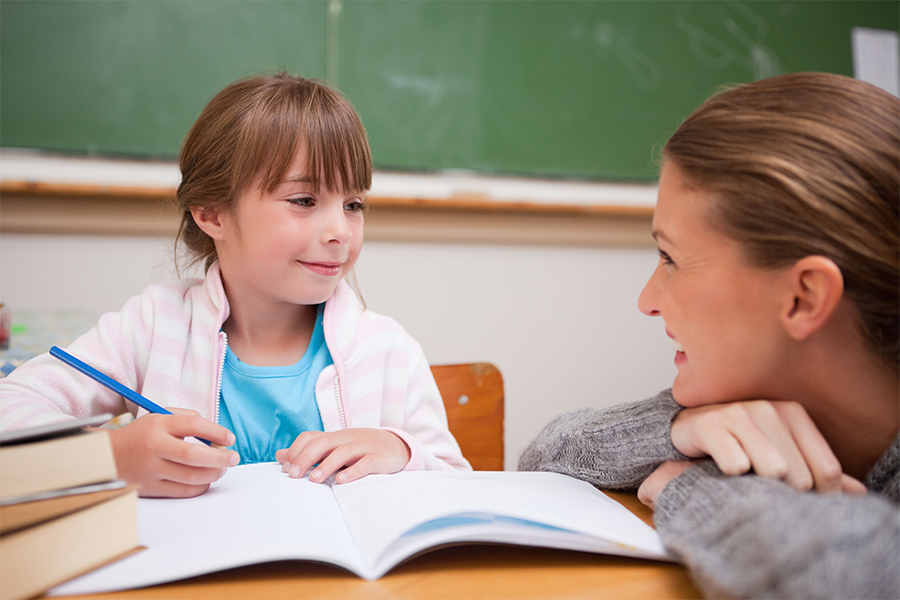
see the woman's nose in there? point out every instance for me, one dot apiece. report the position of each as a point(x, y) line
point(648, 301)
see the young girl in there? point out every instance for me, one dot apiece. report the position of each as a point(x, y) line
point(271, 354)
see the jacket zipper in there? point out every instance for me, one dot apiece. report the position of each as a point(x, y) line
point(340, 403)
point(224, 339)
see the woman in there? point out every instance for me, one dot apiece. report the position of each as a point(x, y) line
point(777, 225)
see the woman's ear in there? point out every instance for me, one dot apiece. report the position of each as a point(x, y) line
point(209, 221)
point(816, 286)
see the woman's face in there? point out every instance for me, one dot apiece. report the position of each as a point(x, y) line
point(721, 313)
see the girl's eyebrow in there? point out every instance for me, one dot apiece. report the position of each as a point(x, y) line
point(304, 179)
point(296, 179)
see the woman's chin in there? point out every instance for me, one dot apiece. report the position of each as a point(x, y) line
point(687, 395)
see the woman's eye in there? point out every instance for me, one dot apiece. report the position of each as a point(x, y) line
point(665, 258)
point(302, 201)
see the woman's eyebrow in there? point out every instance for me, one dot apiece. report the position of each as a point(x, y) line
point(660, 235)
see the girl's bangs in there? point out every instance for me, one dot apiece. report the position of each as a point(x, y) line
point(335, 142)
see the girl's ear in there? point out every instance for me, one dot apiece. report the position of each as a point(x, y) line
point(816, 288)
point(209, 221)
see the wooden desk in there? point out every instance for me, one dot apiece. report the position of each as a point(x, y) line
point(471, 572)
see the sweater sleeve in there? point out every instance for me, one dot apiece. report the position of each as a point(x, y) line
point(751, 537)
point(613, 448)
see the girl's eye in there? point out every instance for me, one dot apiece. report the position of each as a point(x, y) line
point(354, 206)
point(302, 201)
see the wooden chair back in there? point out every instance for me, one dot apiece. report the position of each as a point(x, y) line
point(473, 397)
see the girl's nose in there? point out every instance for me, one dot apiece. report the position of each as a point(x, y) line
point(337, 229)
point(648, 301)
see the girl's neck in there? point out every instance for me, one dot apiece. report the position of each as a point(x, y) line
point(269, 335)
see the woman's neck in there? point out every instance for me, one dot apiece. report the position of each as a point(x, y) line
point(855, 402)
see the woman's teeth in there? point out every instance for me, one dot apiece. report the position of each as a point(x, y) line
point(677, 345)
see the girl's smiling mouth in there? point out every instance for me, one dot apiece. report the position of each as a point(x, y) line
point(326, 269)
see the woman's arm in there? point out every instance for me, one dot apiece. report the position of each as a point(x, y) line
point(613, 448)
point(750, 536)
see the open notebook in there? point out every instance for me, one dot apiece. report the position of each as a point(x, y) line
point(256, 513)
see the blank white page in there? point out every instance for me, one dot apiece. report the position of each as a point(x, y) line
point(254, 514)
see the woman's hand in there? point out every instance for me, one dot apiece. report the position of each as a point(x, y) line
point(776, 439)
point(659, 479)
point(361, 451)
point(151, 451)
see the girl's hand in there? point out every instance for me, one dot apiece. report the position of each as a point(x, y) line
point(151, 452)
point(361, 451)
point(776, 439)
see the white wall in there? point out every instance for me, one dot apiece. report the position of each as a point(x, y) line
point(561, 323)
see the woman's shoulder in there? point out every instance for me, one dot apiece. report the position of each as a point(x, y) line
point(884, 478)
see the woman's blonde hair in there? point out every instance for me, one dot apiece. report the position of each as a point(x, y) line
point(254, 128)
point(807, 164)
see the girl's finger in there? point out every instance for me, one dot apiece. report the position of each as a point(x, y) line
point(190, 424)
point(298, 447)
point(189, 476)
point(170, 489)
point(339, 457)
point(192, 454)
point(364, 466)
point(312, 453)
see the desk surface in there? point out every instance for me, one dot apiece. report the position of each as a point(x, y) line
point(481, 571)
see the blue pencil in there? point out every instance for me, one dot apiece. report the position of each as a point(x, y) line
point(112, 384)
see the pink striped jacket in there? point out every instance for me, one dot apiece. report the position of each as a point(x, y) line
point(167, 344)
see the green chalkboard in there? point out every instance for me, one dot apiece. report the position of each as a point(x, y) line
point(131, 76)
point(547, 88)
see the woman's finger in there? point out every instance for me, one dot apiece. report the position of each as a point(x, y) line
point(825, 470)
point(851, 485)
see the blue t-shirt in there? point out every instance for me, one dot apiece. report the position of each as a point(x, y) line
point(268, 407)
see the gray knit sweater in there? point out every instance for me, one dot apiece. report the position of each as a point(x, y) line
point(741, 537)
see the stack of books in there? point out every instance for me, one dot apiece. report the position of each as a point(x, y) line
point(63, 511)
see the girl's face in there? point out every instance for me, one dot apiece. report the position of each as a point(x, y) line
point(292, 245)
point(721, 313)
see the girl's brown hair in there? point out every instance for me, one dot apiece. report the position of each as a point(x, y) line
point(254, 128)
point(807, 164)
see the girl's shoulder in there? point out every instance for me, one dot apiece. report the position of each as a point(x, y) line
point(182, 300)
point(351, 325)
point(176, 292)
